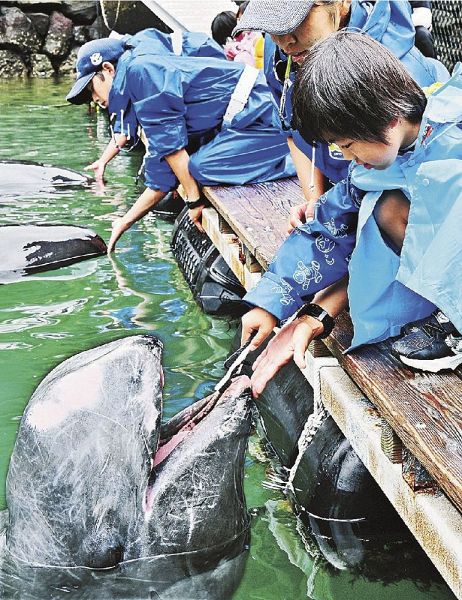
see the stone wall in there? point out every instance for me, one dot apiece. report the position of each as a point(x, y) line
point(41, 39)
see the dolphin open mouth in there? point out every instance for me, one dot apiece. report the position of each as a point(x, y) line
point(176, 431)
point(173, 432)
point(125, 487)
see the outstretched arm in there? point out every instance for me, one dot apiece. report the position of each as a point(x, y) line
point(292, 341)
point(111, 150)
point(145, 202)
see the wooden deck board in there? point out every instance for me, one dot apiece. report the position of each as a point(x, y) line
point(424, 409)
point(241, 207)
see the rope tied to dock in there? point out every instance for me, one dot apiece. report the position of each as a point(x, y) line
point(317, 417)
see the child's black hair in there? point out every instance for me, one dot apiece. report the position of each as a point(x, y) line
point(222, 26)
point(241, 9)
point(351, 87)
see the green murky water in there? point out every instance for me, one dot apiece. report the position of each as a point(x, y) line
point(47, 318)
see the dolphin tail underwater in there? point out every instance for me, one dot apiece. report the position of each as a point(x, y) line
point(27, 249)
point(95, 481)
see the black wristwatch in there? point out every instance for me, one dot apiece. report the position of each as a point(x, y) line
point(202, 201)
point(195, 204)
point(313, 310)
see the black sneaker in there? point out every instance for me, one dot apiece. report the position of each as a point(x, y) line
point(431, 344)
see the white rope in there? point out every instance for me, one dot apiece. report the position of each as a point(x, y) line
point(317, 417)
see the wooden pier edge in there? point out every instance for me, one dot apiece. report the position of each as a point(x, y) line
point(433, 520)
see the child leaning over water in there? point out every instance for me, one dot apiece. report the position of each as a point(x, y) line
point(393, 226)
point(207, 121)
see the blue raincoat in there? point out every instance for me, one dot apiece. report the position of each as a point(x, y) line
point(180, 103)
point(387, 21)
point(153, 41)
point(385, 290)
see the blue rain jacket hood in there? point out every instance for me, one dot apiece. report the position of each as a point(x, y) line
point(386, 21)
point(385, 290)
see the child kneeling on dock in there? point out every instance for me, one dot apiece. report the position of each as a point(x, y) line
point(393, 226)
point(207, 121)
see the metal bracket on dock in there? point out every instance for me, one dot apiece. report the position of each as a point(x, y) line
point(416, 475)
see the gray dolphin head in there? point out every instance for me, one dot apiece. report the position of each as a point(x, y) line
point(94, 480)
point(27, 177)
point(197, 498)
point(82, 457)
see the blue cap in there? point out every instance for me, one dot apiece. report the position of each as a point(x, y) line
point(89, 60)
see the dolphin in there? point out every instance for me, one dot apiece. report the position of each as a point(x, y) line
point(23, 177)
point(332, 492)
point(95, 480)
point(26, 249)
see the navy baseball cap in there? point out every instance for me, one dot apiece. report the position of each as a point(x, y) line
point(277, 17)
point(90, 57)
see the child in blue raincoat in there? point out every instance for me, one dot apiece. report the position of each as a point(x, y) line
point(292, 27)
point(207, 121)
point(124, 126)
point(393, 226)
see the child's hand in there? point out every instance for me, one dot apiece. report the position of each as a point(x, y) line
point(260, 322)
point(195, 215)
point(290, 342)
point(119, 226)
point(98, 167)
point(302, 213)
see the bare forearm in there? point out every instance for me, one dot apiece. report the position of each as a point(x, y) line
point(334, 298)
point(178, 162)
point(145, 202)
point(113, 148)
point(304, 168)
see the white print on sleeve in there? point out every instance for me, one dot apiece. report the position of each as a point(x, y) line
point(284, 289)
point(334, 230)
point(304, 274)
point(326, 246)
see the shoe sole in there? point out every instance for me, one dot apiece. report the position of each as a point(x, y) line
point(435, 365)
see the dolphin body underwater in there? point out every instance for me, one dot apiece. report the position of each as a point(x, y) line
point(25, 177)
point(96, 482)
point(28, 249)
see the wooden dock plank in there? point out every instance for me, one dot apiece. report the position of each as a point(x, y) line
point(421, 410)
point(241, 207)
point(433, 519)
point(424, 409)
point(228, 246)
